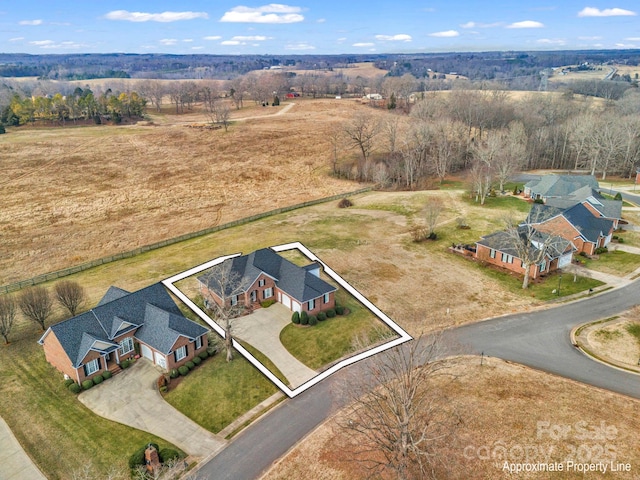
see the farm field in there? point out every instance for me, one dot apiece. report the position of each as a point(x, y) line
point(75, 194)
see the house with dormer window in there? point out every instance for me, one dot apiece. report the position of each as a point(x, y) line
point(147, 320)
point(264, 275)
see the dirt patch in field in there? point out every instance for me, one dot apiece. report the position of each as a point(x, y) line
point(507, 413)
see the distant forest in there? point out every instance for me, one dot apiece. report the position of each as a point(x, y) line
point(518, 69)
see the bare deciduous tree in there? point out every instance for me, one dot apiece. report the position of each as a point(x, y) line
point(70, 295)
point(227, 285)
point(361, 131)
point(7, 316)
point(510, 153)
point(432, 210)
point(397, 415)
point(36, 304)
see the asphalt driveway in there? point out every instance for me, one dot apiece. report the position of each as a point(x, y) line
point(261, 330)
point(132, 399)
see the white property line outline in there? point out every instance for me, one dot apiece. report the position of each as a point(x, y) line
point(402, 335)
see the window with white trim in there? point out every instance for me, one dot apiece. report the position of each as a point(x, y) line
point(254, 295)
point(506, 258)
point(267, 293)
point(234, 300)
point(180, 353)
point(92, 367)
point(492, 253)
point(261, 282)
point(311, 304)
point(325, 299)
point(126, 345)
point(543, 266)
point(198, 342)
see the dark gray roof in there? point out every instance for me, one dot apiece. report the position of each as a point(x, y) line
point(560, 185)
point(112, 294)
point(590, 226)
point(541, 213)
point(502, 241)
point(152, 304)
point(161, 329)
point(607, 207)
point(297, 282)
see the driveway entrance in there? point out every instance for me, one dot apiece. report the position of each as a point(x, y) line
point(261, 330)
point(132, 399)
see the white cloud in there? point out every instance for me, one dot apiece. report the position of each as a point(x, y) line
point(341, 39)
point(163, 17)
point(401, 37)
point(230, 42)
point(168, 41)
point(187, 40)
point(41, 43)
point(363, 44)
point(299, 46)
point(197, 48)
point(607, 12)
point(30, 22)
point(590, 38)
point(16, 39)
point(321, 20)
point(551, 41)
point(526, 24)
point(480, 25)
point(50, 44)
point(213, 37)
point(272, 13)
point(633, 39)
point(251, 38)
point(445, 34)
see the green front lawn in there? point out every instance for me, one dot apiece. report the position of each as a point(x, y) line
point(513, 204)
point(332, 339)
point(217, 392)
point(58, 431)
point(615, 263)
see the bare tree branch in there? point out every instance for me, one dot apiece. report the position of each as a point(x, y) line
point(70, 295)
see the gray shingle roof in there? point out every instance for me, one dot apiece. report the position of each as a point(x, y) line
point(152, 304)
point(295, 281)
point(560, 185)
point(590, 226)
point(502, 241)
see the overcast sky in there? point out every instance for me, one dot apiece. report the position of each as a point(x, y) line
point(322, 27)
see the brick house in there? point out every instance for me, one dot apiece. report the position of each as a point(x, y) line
point(264, 275)
point(98, 340)
point(498, 249)
point(581, 224)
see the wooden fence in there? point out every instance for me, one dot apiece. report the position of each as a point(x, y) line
point(47, 277)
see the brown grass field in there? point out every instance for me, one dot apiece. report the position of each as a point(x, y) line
point(499, 404)
point(74, 194)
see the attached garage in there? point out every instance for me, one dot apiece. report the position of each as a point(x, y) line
point(146, 352)
point(286, 301)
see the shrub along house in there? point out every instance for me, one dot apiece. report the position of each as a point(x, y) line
point(264, 275)
point(98, 340)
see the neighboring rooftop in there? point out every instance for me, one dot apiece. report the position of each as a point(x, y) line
point(553, 185)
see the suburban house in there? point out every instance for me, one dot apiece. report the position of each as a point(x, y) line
point(264, 275)
point(557, 186)
point(498, 249)
point(596, 203)
point(580, 224)
point(147, 320)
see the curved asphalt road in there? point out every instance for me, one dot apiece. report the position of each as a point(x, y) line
point(538, 339)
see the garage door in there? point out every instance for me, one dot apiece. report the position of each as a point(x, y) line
point(146, 352)
point(296, 307)
point(161, 360)
point(286, 301)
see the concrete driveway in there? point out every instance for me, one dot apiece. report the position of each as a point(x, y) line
point(15, 464)
point(132, 399)
point(261, 330)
